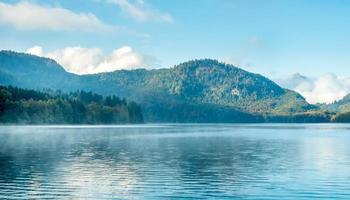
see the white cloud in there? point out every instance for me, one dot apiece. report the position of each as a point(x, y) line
point(323, 89)
point(77, 59)
point(122, 58)
point(80, 60)
point(140, 11)
point(28, 16)
point(36, 50)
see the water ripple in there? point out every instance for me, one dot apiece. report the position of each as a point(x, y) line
point(209, 161)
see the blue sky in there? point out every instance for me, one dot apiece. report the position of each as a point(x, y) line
point(272, 37)
point(276, 38)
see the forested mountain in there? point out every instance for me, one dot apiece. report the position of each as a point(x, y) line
point(32, 107)
point(200, 82)
point(195, 91)
point(205, 81)
point(341, 109)
point(29, 71)
point(342, 105)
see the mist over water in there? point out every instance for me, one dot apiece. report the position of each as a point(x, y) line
point(208, 161)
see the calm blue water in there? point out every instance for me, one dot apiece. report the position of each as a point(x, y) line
point(175, 162)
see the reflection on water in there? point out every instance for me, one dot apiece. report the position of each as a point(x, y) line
point(175, 161)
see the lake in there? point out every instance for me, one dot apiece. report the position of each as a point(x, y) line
point(176, 161)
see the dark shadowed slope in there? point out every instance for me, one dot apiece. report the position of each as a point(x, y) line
point(31, 71)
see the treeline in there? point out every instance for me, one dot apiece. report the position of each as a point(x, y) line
point(342, 118)
point(177, 111)
point(306, 117)
point(26, 106)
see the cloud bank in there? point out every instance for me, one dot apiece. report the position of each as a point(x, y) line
point(140, 11)
point(81, 60)
point(323, 89)
point(28, 16)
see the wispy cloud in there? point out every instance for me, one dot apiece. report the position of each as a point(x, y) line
point(81, 60)
point(140, 11)
point(29, 16)
point(323, 89)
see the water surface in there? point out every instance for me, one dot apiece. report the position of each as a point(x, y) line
point(217, 161)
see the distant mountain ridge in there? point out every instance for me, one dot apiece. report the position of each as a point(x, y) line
point(195, 91)
point(29, 71)
point(343, 105)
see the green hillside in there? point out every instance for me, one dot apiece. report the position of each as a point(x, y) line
point(196, 91)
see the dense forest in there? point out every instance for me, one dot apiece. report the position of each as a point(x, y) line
point(200, 91)
point(54, 107)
